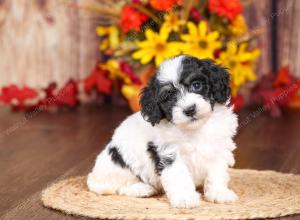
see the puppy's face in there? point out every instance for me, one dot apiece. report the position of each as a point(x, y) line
point(184, 92)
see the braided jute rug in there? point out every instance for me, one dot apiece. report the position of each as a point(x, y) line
point(262, 194)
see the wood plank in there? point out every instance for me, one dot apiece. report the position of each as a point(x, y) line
point(48, 145)
point(32, 207)
point(267, 143)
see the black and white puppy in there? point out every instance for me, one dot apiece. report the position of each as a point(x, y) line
point(181, 139)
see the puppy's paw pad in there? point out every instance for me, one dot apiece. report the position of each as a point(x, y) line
point(224, 195)
point(186, 201)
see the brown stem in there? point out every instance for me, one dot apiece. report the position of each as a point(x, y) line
point(147, 12)
point(187, 5)
point(252, 34)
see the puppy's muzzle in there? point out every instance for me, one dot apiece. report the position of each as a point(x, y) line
point(190, 111)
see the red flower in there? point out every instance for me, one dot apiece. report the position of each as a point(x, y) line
point(66, 96)
point(195, 14)
point(127, 69)
point(276, 91)
point(131, 19)
point(238, 102)
point(229, 9)
point(98, 79)
point(164, 5)
point(283, 77)
point(13, 95)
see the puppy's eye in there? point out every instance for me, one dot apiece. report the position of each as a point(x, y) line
point(196, 86)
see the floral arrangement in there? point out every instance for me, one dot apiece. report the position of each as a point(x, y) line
point(139, 35)
point(276, 91)
point(148, 32)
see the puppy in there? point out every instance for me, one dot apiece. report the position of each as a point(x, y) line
point(181, 138)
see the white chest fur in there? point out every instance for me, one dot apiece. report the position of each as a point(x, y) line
point(201, 149)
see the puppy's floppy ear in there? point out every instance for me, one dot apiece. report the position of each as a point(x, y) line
point(219, 83)
point(150, 109)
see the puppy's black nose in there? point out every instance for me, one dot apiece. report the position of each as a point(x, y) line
point(190, 111)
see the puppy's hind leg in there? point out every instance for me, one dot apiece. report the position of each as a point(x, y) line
point(137, 190)
point(108, 176)
point(100, 187)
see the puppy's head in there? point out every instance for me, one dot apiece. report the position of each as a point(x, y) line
point(184, 91)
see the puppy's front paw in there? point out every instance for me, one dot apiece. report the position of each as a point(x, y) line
point(220, 195)
point(185, 201)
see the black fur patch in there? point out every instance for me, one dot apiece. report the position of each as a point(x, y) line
point(167, 97)
point(214, 78)
point(150, 109)
point(160, 162)
point(157, 101)
point(116, 157)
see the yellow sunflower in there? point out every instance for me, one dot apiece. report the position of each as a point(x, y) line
point(240, 63)
point(238, 26)
point(156, 46)
point(112, 37)
point(172, 22)
point(199, 42)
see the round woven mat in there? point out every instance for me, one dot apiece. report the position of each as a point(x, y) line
point(262, 194)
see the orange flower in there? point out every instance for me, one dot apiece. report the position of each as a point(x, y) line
point(283, 77)
point(229, 9)
point(131, 19)
point(165, 5)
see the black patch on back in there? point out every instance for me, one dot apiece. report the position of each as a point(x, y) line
point(116, 157)
point(160, 162)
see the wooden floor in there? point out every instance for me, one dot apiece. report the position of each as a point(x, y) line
point(46, 147)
